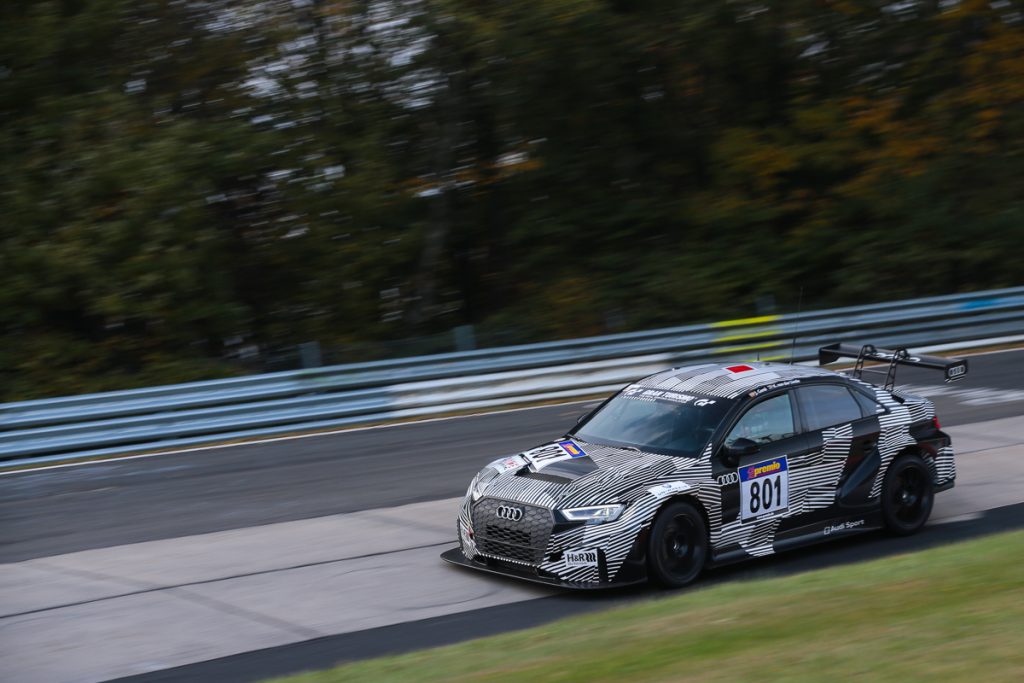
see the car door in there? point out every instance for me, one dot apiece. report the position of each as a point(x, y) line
point(756, 488)
point(844, 430)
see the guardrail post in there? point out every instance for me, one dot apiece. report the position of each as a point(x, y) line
point(765, 304)
point(464, 338)
point(309, 355)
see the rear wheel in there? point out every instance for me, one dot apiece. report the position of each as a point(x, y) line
point(907, 495)
point(678, 545)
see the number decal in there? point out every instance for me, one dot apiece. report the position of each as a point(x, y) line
point(764, 488)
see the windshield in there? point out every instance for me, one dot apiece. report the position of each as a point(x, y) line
point(656, 421)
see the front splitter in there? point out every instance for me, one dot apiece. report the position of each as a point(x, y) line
point(455, 556)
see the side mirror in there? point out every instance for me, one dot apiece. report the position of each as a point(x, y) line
point(739, 448)
point(581, 417)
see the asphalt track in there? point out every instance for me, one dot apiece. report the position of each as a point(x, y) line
point(296, 486)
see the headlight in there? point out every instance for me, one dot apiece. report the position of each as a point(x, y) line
point(596, 514)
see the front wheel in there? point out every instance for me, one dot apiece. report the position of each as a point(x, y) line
point(678, 545)
point(907, 495)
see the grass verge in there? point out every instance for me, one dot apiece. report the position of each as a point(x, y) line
point(951, 613)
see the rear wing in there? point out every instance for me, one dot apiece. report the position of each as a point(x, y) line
point(953, 368)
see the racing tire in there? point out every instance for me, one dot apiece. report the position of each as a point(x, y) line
point(908, 494)
point(677, 546)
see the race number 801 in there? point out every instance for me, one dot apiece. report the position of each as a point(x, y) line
point(764, 488)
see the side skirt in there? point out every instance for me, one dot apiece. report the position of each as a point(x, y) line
point(811, 534)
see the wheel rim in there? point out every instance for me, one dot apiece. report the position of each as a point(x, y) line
point(910, 496)
point(679, 545)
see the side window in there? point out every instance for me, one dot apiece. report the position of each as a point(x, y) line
point(868, 406)
point(827, 405)
point(769, 420)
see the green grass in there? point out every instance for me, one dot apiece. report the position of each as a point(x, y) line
point(954, 613)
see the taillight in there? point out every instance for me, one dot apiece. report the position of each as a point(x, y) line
point(935, 421)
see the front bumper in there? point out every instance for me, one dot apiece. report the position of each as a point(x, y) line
point(491, 566)
point(535, 546)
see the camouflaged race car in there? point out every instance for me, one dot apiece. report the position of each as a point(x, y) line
point(711, 464)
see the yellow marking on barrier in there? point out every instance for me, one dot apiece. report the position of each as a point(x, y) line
point(751, 347)
point(748, 335)
point(746, 321)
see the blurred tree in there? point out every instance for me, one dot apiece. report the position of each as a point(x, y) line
point(135, 196)
point(185, 179)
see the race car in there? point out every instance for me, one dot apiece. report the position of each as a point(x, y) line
point(710, 464)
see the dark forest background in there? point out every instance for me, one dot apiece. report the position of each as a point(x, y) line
point(188, 183)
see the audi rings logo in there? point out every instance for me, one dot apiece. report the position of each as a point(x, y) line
point(508, 512)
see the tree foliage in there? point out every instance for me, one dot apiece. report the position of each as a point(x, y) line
point(183, 180)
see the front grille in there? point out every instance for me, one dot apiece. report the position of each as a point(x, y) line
point(511, 536)
point(522, 541)
point(491, 546)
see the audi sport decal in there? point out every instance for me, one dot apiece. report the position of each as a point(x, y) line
point(849, 525)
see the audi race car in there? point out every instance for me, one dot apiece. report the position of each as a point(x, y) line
point(710, 464)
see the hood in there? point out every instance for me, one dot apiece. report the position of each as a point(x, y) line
point(574, 472)
point(566, 459)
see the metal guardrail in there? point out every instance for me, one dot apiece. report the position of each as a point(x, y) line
point(263, 405)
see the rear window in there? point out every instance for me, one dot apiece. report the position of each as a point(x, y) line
point(827, 405)
point(868, 406)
